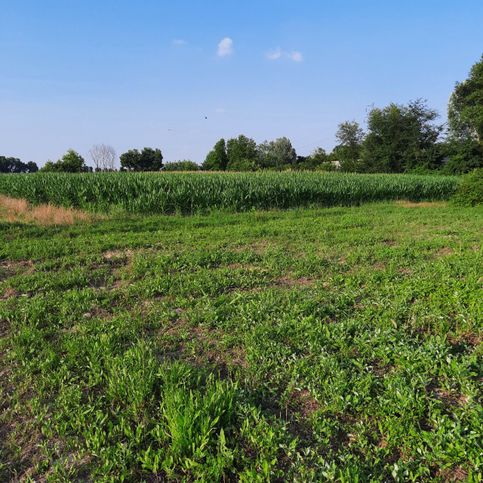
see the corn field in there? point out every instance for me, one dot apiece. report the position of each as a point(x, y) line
point(199, 192)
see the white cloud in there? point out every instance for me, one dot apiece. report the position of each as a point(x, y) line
point(225, 47)
point(179, 42)
point(296, 56)
point(220, 110)
point(278, 54)
point(274, 54)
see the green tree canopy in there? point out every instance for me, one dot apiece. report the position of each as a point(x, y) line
point(276, 154)
point(465, 110)
point(348, 150)
point(183, 165)
point(148, 159)
point(14, 165)
point(401, 138)
point(240, 151)
point(216, 159)
point(71, 162)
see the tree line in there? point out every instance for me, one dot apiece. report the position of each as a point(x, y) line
point(399, 138)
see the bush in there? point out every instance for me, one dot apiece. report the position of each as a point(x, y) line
point(470, 191)
point(242, 165)
point(184, 165)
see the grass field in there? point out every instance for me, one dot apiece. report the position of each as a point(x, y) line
point(303, 345)
point(168, 193)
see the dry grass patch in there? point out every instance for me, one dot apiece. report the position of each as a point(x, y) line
point(421, 204)
point(444, 252)
point(21, 211)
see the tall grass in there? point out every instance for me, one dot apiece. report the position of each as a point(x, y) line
point(191, 192)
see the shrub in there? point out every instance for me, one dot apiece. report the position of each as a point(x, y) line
point(184, 165)
point(470, 191)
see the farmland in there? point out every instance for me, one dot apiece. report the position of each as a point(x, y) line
point(191, 193)
point(301, 345)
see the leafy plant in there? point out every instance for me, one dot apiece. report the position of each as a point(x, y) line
point(470, 191)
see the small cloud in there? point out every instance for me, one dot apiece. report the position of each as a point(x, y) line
point(220, 110)
point(225, 47)
point(274, 54)
point(179, 42)
point(296, 56)
point(278, 54)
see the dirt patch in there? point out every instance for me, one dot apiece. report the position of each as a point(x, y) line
point(8, 293)
point(449, 398)
point(465, 342)
point(10, 268)
point(380, 369)
point(420, 204)
point(21, 211)
point(303, 402)
point(405, 271)
point(259, 248)
point(452, 474)
point(444, 252)
point(380, 266)
point(118, 254)
point(289, 281)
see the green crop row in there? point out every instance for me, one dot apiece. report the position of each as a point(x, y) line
point(194, 192)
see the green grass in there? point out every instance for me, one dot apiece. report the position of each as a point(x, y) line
point(306, 345)
point(201, 192)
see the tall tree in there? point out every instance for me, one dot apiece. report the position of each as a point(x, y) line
point(401, 138)
point(465, 109)
point(216, 159)
point(148, 159)
point(277, 154)
point(465, 120)
point(241, 152)
point(348, 150)
point(104, 157)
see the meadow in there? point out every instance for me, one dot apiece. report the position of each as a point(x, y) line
point(188, 193)
point(337, 344)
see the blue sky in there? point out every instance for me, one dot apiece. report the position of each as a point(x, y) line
point(146, 73)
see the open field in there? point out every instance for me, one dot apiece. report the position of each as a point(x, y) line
point(335, 344)
point(168, 193)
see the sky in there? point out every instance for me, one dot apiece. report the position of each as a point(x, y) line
point(179, 75)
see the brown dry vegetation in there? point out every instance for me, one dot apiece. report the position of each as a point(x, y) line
point(421, 204)
point(21, 211)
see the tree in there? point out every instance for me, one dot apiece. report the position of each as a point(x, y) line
point(348, 150)
point(104, 157)
point(146, 160)
point(14, 165)
point(216, 159)
point(241, 151)
point(318, 159)
point(401, 138)
point(71, 162)
point(184, 165)
point(276, 154)
point(32, 167)
point(465, 119)
point(465, 109)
